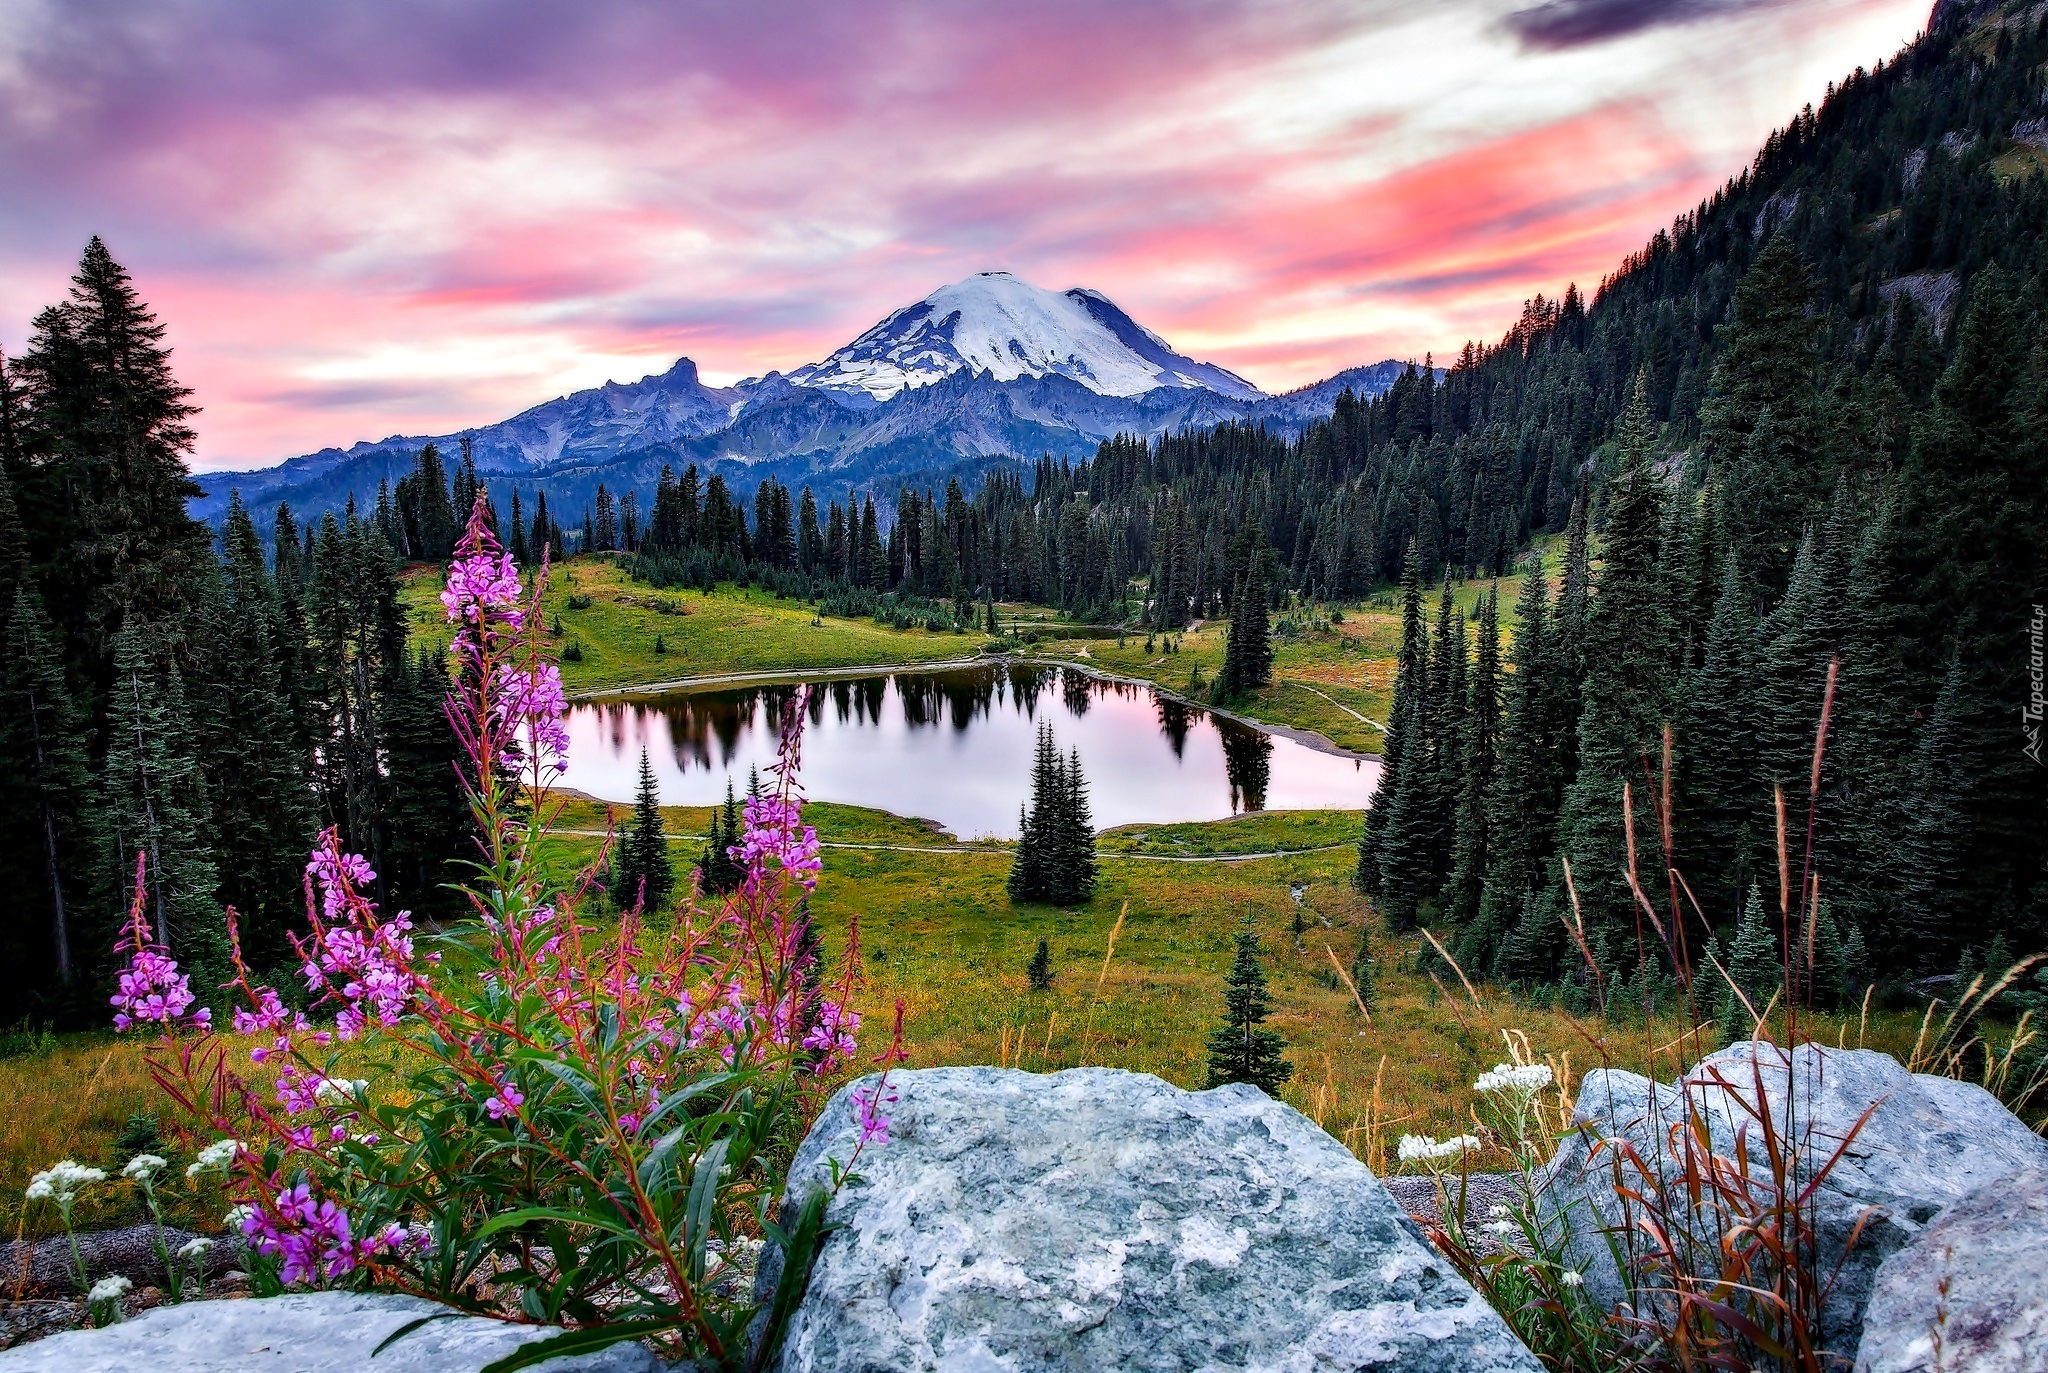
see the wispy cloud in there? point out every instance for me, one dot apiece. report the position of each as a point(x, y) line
point(389, 216)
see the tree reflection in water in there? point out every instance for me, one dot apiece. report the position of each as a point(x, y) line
point(1150, 758)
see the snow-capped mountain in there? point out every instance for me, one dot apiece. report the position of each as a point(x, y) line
point(1000, 324)
point(986, 370)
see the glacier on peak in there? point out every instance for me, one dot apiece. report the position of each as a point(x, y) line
point(1000, 324)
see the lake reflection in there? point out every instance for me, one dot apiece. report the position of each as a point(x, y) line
point(956, 746)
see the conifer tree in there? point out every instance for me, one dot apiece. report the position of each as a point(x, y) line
point(1469, 859)
point(1242, 1050)
point(426, 820)
point(109, 421)
point(153, 802)
point(1754, 966)
point(1248, 647)
point(262, 801)
point(1402, 754)
point(1723, 792)
point(1756, 424)
point(1039, 971)
point(1522, 805)
point(45, 835)
point(1627, 695)
point(1930, 851)
point(644, 874)
point(1364, 973)
point(1055, 859)
point(721, 871)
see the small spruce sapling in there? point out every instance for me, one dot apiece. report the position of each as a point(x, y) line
point(1040, 969)
point(1241, 1050)
point(1362, 979)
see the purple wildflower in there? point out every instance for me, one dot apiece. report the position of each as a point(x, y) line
point(506, 1101)
point(868, 1102)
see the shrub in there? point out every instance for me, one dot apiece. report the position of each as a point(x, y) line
point(578, 601)
point(565, 1127)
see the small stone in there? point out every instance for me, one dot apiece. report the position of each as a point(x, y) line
point(1096, 1219)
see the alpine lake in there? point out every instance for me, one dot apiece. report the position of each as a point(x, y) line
point(954, 747)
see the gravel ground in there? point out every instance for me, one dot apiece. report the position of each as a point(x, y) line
point(1417, 1195)
point(43, 1268)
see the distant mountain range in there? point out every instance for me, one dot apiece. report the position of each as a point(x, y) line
point(985, 371)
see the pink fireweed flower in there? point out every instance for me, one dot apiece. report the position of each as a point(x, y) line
point(483, 581)
point(314, 1238)
point(363, 963)
point(868, 1105)
point(506, 1101)
point(832, 1035)
point(532, 704)
point(775, 833)
point(151, 989)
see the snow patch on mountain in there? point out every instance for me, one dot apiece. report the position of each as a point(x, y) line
point(1002, 325)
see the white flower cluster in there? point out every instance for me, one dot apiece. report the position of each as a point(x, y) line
point(1572, 1277)
point(1525, 1079)
point(234, 1218)
point(339, 1089)
point(195, 1247)
point(143, 1167)
point(215, 1157)
point(61, 1182)
point(1423, 1149)
point(111, 1288)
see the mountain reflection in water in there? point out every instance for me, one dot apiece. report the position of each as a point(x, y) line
point(955, 747)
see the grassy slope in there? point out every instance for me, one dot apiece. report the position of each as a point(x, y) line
point(728, 631)
point(1323, 679)
point(939, 933)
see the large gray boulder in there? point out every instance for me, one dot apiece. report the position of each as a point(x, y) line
point(1974, 1280)
point(1095, 1219)
point(305, 1332)
point(1928, 1142)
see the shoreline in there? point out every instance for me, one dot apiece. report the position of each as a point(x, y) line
point(1307, 738)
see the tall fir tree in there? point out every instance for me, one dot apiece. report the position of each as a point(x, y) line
point(153, 803)
point(1627, 695)
point(1480, 766)
point(46, 835)
point(644, 874)
point(425, 819)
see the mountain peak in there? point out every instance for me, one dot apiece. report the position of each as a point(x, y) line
point(997, 322)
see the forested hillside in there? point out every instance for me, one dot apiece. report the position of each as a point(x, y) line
point(206, 709)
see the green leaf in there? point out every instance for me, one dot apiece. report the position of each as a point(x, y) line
point(395, 1336)
point(526, 1214)
point(584, 1341)
point(703, 1198)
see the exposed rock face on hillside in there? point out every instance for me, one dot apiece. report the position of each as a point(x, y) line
point(306, 1332)
point(1929, 1142)
point(1096, 1219)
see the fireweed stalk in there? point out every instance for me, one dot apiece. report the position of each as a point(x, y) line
point(566, 1127)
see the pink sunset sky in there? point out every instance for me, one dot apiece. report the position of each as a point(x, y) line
point(368, 218)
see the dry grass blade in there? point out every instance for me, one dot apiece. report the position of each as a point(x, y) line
point(1349, 985)
point(1445, 954)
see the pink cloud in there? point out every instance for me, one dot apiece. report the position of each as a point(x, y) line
point(373, 219)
